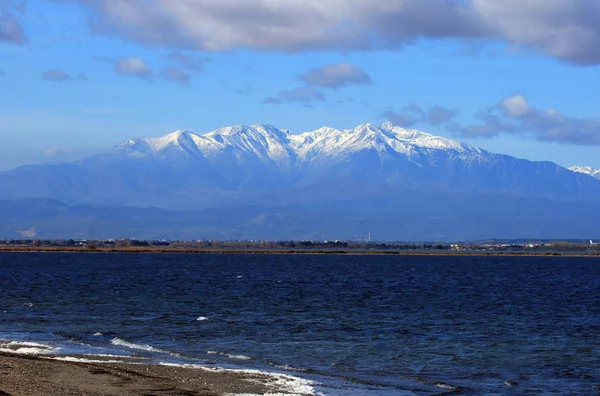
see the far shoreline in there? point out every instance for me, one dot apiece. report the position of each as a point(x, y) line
point(338, 252)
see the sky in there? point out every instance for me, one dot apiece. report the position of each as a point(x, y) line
point(512, 76)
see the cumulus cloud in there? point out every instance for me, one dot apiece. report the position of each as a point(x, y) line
point(404, 120)
point(175, 75)
point(11, 30)
point(133, 66)
point(331, 76)
point(414, 114)
point(137, 67)
point(304, 95)
point(514, 115)
point(566, 29)
point(437, 115)
point(56, 75)
point(336, 76)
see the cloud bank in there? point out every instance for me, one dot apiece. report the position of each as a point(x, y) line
point(565, 29)
point(515, 116)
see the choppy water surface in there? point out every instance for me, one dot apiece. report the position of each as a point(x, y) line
point(360, 325)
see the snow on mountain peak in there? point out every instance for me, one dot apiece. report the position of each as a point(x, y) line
point(280, 148)
point(588, 170)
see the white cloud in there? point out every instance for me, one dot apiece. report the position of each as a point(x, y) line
point(56, 75)
point(515, 116)
point(175, 75)
point(414, 114)
point(516, 106)
point(336, 76)
point(133, 66)
point(565, 29)
point(304, 95)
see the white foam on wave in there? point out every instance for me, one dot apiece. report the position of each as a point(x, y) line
point(27, 351)
point(284, 384)
point(28, 344)
point(202, 318)
point(26, 348)
point(268, 394)
point(104, 355)
point(288, 368)
point(230, 356)
point(444, 385)
point(120, 342)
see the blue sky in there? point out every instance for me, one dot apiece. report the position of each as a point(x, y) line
point(513, 77)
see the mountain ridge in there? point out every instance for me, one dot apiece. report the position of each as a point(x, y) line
point(338, 175)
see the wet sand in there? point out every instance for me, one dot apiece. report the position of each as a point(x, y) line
point(23, 375)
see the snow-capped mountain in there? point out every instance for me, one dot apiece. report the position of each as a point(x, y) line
point(262, 157)
point(375, 174)
point(184, 169)
point(282, 149)
point(587, 170)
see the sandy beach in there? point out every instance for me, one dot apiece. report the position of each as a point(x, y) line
point(23, 375)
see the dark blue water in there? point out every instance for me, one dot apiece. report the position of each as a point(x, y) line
point(363, 325)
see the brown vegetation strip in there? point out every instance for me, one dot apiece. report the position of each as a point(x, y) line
point(137, 249)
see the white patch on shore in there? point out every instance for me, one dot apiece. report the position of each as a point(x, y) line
point(81, 360)
point(285, 385)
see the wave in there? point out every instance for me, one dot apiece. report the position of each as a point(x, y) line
point(230, 356)
point(141, 347)
point(27, 348)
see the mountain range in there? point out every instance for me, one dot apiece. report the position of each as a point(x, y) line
point(261, 182)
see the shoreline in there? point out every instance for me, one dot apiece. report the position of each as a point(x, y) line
point(41, 375)
point(145, 250)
